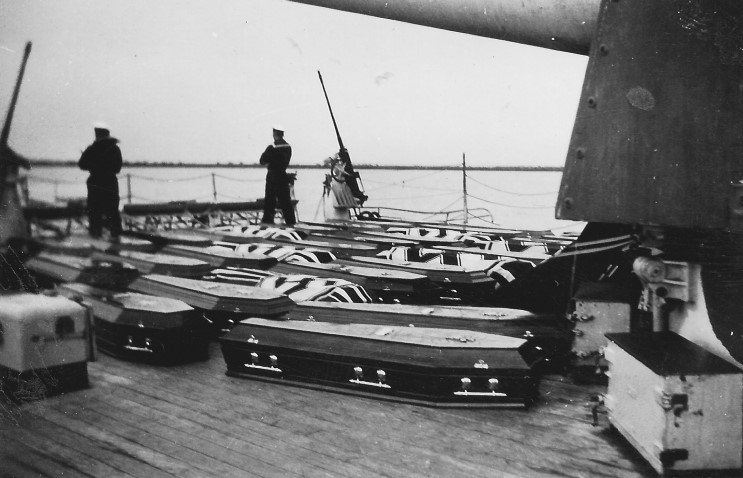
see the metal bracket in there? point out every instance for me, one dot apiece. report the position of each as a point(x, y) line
point(667, 279)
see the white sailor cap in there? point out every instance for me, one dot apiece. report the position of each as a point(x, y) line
point(101, 125)
point(278, 127)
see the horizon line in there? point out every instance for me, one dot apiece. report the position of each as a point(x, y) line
point(156, 164)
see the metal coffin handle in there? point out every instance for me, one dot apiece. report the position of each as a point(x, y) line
point(254, 363)
point(493, 385)
point(381, 378)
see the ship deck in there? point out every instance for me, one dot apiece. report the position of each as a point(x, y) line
point(138, 420)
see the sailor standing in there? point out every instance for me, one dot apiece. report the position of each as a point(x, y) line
point(276, 158)
point(103, 160)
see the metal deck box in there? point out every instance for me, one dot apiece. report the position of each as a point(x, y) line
point(680, 406)
point(45, 344)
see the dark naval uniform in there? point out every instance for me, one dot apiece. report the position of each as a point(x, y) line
point(103, 160)
point(276, 158)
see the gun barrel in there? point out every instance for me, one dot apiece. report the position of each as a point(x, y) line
point(565, 25)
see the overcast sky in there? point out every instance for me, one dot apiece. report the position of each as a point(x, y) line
point(204, 81)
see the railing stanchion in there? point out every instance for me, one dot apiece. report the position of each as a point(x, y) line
point(129, 188)
point(214, 186)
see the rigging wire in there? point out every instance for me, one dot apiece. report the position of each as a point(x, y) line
point(51, 181)
point(509, 205)
point(416, 178)
point(410, 210)
point(405, 186)
point(228, 196)
point(594, 250)
point(442, 210)
point(509, 192)
point(158, 180)
point(239, 179)
point(418, 197)
point(603, 241)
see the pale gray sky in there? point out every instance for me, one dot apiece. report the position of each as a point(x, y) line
point(204, 81)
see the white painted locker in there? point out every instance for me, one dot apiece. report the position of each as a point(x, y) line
point(680, 406)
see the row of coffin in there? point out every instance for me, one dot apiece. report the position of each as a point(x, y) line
point(332, 345)
point(434, 354)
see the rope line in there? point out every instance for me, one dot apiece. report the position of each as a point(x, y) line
point(417, 197)
point(603, 241)
point(508, 205)
point(444, 209)
point(594, 250)
point(228, 196)
point(230, 178)
point(51, 181)
point(140, 198)
point(136, 176)
point(411, 210)
point(509, 192)
point(416, 178)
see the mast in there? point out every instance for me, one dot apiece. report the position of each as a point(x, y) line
point(464, 189)
point(12, 221)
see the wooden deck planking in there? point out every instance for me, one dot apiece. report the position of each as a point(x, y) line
point(116, 456)
point(331, 417)
point(35, 462)
point(276, 419)
point(56, 448)
point(239, 443)
point(510, 420)
point(192, 420)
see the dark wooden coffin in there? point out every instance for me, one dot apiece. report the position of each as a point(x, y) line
point(528, 255)
point(440, 273)
point(52, 268)
point(143, 327)
point(436, 367)
point(218, 256)
point(427, 240)
point(549, 333)
point(158, 263)
point(79, 245)
point(381, 241)
point(186, 237)
point(387, 285)
point(221, 304)
point(215, 296)
point(457, 283)
point(341, 248)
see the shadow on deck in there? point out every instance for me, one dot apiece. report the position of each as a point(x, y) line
point(193, 421)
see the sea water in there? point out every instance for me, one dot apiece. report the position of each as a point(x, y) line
point(514, 199)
